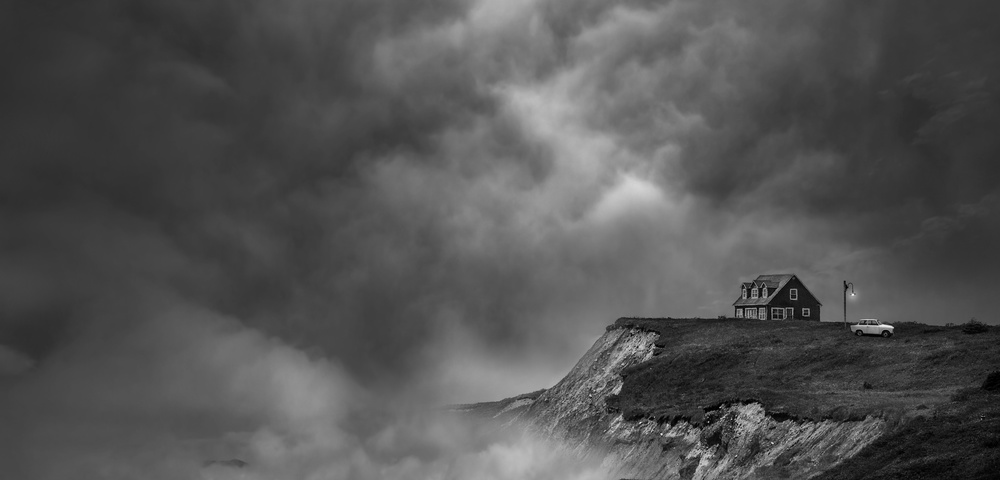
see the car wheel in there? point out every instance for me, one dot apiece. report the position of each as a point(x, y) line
point(859, 333)
point(885, 334)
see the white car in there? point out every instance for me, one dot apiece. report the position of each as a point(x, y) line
point(871, 326)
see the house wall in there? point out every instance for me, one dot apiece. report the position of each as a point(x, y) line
point(805, 300)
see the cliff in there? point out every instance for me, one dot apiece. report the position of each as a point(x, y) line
point(692, 400)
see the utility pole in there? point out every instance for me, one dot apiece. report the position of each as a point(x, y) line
point(846, 284)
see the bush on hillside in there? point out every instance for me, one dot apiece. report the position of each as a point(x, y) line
point(974, 326)
point(992, 382)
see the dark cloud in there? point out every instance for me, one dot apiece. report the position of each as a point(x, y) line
point(852, 95)
point(230, 132)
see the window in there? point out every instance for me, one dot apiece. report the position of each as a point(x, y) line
point(765, 291)
point(762, 312)
point(805, 312)
point(789, 312)
point(753, 293)
point(777, 313)
point(739, 313)
point(793, 294)
point(751, 313)
point(744, 292)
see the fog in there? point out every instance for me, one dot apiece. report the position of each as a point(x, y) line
point(287, 232)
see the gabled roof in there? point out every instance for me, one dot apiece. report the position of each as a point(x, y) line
point(774, 284)
point(777, 280)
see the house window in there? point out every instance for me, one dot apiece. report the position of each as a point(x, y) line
point(805, 312)
point(744, 292)
point(765, 292)
point(762, 312)
point(753, 293)
point(739, 313)
point(793, 294)
point(777, 313)
point(751, 313)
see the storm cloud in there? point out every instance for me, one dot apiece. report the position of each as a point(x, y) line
point(415, 203)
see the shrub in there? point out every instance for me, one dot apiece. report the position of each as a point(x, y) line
point(992, 382)
point(974, 326)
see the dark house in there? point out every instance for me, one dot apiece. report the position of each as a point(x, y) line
point(776, 297)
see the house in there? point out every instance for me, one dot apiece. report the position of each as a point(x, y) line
point(777, 297)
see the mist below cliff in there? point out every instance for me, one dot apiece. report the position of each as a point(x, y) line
point(187, 394)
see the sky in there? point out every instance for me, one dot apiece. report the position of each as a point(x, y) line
point(227, 219)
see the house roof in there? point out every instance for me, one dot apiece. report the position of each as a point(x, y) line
point(774, 284)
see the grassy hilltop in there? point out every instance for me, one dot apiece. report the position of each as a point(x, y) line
point(925, 381)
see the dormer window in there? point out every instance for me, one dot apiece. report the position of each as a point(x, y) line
point(744, 293)
point(765, 291)
point(793, 294)
point(753, 293)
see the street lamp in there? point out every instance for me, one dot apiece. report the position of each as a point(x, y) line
point(847, 284)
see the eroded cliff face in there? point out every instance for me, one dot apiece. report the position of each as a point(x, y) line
point(733, 441)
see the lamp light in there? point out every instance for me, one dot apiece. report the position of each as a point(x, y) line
point(851, 285)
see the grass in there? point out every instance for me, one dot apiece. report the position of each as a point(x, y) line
point(801, 370)
point(955, 440)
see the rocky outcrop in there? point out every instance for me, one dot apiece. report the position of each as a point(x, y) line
point(730, 441)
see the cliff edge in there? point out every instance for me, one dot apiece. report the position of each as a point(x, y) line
point(702, 399)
